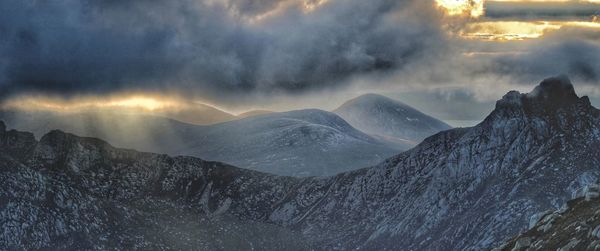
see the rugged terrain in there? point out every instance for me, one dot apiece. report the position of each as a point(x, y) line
point(70, 193)
point(461, 189)
point(575, 226)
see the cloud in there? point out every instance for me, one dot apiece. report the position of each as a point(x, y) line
point(541, 10)
point(265, 53)
point(578, 59)
point(207, 47)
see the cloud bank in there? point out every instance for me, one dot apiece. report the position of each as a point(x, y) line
point(207, 47)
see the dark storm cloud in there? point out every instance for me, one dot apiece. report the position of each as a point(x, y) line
point(541, 10)
point(580, 60)
point(206, 46)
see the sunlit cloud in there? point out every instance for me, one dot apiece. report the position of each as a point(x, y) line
point(311, 5)
point(514, 20)
point(273, 54)
point(305, 6)
point(471, 8)
point(182, 109)
point(518, 30)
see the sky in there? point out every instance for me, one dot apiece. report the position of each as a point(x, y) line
point(450, 58)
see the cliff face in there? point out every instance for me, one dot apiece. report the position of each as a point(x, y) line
point(462, 189)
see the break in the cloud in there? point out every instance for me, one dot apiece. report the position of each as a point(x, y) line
point(237, 51)
point(206, 47)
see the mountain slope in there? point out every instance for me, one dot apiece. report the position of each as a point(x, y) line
point(380, 115)
point(297, 143)
point(253, 113)
point(198, 114)
point(461, 189)
point(576, 226)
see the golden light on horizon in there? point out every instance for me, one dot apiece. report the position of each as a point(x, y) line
point(506, 30)
point(139, 102)
point(134, 102)
point(518, 30)
point(475, 25)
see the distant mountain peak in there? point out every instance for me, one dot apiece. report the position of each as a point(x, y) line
point(371, 95)
point(373, 98)
point(389, 118)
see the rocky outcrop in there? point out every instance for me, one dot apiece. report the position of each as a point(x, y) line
point(576, 226)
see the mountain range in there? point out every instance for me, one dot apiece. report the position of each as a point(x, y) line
point(461, 189)
point(297, 143)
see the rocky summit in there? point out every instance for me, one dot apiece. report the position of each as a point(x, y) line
point(461, 189)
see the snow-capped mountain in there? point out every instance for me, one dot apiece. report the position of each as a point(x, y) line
point(461, 189)
point(297, 143)
point(379, 115)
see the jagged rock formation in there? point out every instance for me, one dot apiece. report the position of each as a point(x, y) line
point(390, 119)
point(576, 226)
point(296, 143)
point(462, 189)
